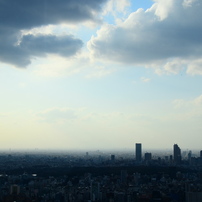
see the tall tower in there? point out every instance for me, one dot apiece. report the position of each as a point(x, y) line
point(177, 154)
point(138, 152)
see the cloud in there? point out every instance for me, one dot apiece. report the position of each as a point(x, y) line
point(194, 67)
point(118, 9)
point(198, 101)
point(58, 66)
point(188, 109)
point(25, 14)
point(62, 45)
point(16, 16)
point(57, 115)
point(145, 80)
point(174, 66)
point(178, 103)
point(167, 33)
point(39, 46)
point(195, 103)
point(119, 6)
point(99, 72)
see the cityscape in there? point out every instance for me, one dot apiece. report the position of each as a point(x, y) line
point(101, 100)
point(101, 176)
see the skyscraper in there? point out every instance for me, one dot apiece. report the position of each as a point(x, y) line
point(138, 152)
point(177, 154)
point(147, 156)
point(112, 158)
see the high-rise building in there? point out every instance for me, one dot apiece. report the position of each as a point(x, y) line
point(171, 158)
point(201, 153)
point(147, 156)
point(138, 152)
point(177, 154)
point(189, 156)
point(112, 157)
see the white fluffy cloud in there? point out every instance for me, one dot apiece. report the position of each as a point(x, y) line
point(195, 67)
point(168, 34)
point(116, 8)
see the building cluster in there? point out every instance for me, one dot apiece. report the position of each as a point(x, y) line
point(175, 159)
point(122, 187)
point(101, 177)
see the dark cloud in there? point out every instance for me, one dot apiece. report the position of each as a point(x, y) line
point(162, 32)
point(37, 45)
point(26, 14)
point(23, 14)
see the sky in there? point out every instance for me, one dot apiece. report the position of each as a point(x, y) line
point(100, 74)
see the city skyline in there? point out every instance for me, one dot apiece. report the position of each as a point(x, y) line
point(139, 152)
point(87, 75)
